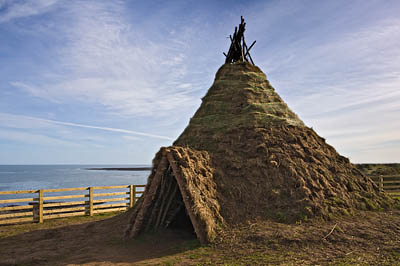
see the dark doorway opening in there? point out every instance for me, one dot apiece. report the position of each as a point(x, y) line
point(182, 222)
point(169, 210)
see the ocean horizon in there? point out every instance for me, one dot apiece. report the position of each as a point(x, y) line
point(46, 176)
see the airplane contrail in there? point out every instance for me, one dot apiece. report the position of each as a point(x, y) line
point(96, 127)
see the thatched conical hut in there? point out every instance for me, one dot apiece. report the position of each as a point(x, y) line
point(245, 156)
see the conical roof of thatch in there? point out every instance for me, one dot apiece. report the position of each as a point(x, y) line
point(245, 155)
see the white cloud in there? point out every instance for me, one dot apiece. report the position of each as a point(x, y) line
point(337, 66)
point(19, 9)
point(107, 61)
point(344, 81)
point(34, 138)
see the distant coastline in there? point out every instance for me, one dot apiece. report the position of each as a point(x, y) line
point(122, 169)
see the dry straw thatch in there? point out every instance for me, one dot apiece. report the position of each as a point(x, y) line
point(246, 156)
point(181, 182)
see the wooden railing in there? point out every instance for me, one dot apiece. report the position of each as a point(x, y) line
point(388, 183)
point(44, 204)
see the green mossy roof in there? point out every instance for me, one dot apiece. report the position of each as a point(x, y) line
point(241, 96)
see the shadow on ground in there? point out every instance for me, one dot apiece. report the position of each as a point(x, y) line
point(95, 243)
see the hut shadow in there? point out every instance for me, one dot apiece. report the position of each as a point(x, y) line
point(93, 243)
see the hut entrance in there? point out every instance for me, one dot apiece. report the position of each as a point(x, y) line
point(169, 209)
point(180, 195)
point(182, 221)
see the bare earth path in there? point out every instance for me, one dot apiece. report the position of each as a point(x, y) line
point(370, 238)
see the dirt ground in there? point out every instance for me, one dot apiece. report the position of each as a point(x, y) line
point(370, 238)
point(90, 243)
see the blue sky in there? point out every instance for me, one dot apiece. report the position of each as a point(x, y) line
point(109, 82)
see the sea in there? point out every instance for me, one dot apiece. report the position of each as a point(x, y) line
point(33, 177)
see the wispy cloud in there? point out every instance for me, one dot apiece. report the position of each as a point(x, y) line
point(10, 9)
point(34, 138)
point(107, 61)
point(336, 64)
point(339, 73)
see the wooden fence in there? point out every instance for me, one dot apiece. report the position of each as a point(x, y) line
point(45, 204)
point(388, 183)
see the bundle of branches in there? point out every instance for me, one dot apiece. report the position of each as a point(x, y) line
point(238, 51)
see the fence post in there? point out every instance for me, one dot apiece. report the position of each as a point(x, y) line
point(91, 201)
point(380, 183)
point(40, 207)
point(132, 195)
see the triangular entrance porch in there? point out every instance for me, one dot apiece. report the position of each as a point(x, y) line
point(180, 192)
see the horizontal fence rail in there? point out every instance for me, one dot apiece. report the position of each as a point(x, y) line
point(388, 183)
point(44, 204)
